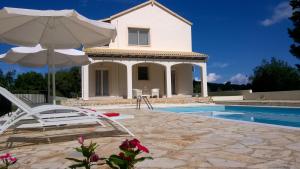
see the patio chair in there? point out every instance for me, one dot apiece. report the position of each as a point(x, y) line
point(136, 93)
point(50, 115)
point(155, 93)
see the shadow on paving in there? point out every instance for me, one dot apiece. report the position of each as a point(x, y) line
point(30, 137)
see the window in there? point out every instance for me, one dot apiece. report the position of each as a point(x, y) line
point(143, 73)
point(138, 37)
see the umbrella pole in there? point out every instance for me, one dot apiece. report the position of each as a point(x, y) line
point(48, 100)
point(51, 54)
point(53, 84)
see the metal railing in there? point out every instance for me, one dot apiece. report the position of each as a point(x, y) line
point(146, 100)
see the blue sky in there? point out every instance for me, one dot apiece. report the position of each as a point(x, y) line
point(235, 34)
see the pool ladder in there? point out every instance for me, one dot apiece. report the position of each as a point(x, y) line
point(146, 100)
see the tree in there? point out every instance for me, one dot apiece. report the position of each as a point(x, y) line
point(295, 32)
point(68, 82)
point(216, 87)
point(227, 86)
point(7, 79)
point(298, 66)
point(196, 87)
point(276, 75)
point(30, 81)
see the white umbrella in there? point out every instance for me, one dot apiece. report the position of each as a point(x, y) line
point(38, 57)
point(61, 29)
point(52, 29)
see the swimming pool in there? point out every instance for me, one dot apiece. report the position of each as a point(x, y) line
point(269, 115)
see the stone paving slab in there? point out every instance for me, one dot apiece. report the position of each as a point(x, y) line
point(175, 141)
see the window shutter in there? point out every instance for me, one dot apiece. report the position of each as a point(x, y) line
point(133, 36)
point(143, 37)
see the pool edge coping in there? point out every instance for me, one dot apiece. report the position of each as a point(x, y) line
point(234, 120)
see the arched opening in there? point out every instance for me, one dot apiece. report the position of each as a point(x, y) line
point(182, 79)
point(147, 78)
point(107, 79)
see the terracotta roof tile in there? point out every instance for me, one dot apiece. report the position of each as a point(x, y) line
point(109, 52)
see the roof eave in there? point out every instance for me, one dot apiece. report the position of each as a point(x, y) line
point(105, 20)
point(173, 13)
point(145, 4)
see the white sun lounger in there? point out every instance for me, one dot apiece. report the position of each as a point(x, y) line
point(44, 119)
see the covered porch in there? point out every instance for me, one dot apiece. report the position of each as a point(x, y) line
point(124, 74)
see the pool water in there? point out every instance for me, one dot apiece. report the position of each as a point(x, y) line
point(269, 115)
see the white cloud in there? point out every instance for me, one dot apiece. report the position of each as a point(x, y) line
point(197, 79)
point(220, 65)
point(239, 79)
point(212, 77)
point(281, 12)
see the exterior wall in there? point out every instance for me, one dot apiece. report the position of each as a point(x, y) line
point(167, 32)
point(280, 95)
point(183, 79)
point(117, 78)
point(159, 72)
point(156, 79)
point(227, 98)
point(248, 95)
point(230, 93)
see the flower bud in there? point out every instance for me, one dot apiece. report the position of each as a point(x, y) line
point(81, 140)
point(94, 158)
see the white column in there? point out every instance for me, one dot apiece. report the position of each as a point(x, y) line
point(129, 81)
point(85, 82)
point(203, 80)
point(168, 81)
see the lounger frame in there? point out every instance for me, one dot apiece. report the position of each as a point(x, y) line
point(24, 112)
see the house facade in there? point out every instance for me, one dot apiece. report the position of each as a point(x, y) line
point(152, 50)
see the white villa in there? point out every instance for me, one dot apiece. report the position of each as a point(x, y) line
point(151, 53)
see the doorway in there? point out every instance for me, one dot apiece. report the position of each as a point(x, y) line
point(173, 79)
point(102, 83)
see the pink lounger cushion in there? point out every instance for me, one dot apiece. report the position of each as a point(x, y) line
point(111, 114)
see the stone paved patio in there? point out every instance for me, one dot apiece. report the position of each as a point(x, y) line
point(175, 141)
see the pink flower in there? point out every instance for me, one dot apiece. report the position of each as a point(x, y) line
point(142, 148)
point(125, 145)
point(5, 156)
point(133, 144)
point(81, 140)
point(12, 159)
point(94, 158)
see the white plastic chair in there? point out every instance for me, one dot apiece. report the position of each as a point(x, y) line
point(136, 93)
point(155, 93)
